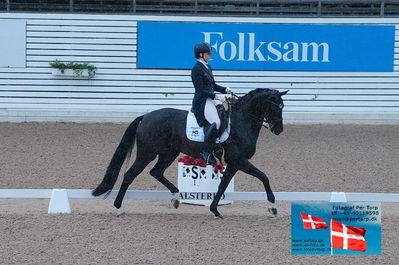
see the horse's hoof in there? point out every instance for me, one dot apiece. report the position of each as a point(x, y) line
point(120, 212)
point(272, 210)
point(219, 216)
point(175, 203)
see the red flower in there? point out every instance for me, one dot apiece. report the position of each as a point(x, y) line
point(187, 160)
point(200, 162)
point(181, 160)
point(218, 168)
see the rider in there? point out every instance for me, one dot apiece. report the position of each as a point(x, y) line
point(204, 108)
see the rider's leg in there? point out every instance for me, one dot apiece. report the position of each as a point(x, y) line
point(210, 132)
point(210, 136)
point(211, 113)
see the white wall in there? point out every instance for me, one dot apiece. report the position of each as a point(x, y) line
point(120, 91)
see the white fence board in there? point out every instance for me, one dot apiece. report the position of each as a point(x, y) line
point(79, 46)
point(82, 22)
point(104, 41)
point(81, 58)
point(71, 35)
point(236, 196)
point(293, 94)
point(82, 28)
point(80, 107)
point(103, 101)
point(99, 65)
point(76, 52)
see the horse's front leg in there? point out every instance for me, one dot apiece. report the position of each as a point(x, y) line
point(224, 182)
point(250, 169)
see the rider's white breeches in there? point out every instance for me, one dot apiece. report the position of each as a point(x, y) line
point(211, 114)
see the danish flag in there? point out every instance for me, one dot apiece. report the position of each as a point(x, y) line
point(347, 237)
point(312, 222)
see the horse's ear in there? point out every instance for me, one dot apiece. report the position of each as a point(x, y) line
point(283, 93)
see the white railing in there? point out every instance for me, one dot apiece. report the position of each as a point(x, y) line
point(59, 198)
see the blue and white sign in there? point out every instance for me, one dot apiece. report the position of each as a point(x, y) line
point(336, 228)
point(286, 47)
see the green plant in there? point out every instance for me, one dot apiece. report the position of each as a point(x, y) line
point(166, 94)
point(76, 67)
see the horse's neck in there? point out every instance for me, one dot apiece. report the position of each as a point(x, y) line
point(247, 126)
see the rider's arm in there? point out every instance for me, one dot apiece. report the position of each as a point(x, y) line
point(220, 89)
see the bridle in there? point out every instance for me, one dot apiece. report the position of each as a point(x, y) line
point(266, 122)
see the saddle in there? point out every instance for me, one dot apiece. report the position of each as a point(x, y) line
point(196, 133)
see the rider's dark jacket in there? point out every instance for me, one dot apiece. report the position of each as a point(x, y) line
point(204, 85)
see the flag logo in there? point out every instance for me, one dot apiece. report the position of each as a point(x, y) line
point(347, 237)
point(312, 222)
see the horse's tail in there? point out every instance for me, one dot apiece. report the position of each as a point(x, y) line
point(124, 148)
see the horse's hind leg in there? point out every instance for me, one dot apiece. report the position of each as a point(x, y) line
point(137, 167)
point(164, 161)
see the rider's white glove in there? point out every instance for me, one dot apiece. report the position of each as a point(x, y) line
point(220, 97)
point(229, 90)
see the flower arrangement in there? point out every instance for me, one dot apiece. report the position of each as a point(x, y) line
point(232, 100)
point(189, 161)
point(77, 68)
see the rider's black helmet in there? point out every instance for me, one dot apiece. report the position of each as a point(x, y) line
point(201, 47)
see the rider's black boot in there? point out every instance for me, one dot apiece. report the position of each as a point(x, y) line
point(211, 133)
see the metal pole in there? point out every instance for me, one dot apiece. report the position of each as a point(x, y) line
point(70, 5)
point(134, 6)
point(8, 5)
point(319, 9)
point(382, 8)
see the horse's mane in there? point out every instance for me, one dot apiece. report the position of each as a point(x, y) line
point(253, 93)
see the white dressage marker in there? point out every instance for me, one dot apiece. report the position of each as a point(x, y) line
point(59, 202)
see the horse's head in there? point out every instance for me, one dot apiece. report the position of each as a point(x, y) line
point(264, 104)
point(273, 111)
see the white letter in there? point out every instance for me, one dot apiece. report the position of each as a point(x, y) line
point(252, 49)
point(233, 51)
point(241, 44)
point(207, 38)
point(274, 51)
point(315, 46)
point(293, 51)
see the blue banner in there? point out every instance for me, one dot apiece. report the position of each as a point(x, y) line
point(328, 228)
point(274, 47)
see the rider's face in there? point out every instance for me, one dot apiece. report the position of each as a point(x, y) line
point(207, 56)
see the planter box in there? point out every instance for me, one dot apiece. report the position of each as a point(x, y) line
point(198, 185)
point(70, 73)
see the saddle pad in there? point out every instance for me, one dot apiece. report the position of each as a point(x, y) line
point(196, 133)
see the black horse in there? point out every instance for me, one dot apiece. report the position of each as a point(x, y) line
point(162, 133)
